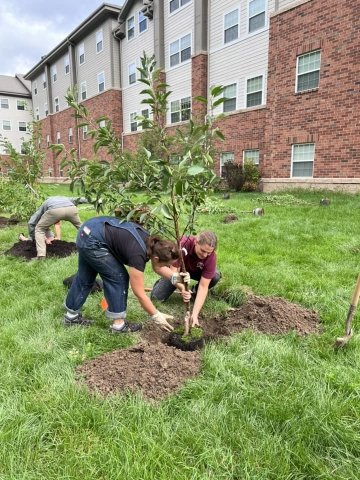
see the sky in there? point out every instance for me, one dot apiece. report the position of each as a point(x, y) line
point(30, 29)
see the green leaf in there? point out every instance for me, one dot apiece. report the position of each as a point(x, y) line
point(195, 170)
point(166, 212)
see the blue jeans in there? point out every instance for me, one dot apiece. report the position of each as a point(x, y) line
point(93, 261)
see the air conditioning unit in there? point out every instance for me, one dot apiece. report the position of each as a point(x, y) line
point(148, 9)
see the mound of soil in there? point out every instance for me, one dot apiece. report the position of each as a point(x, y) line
point(5, 222)
point(158, 370)
point(27, 249)
point(230, 218)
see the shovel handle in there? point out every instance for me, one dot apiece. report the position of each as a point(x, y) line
point(356, 294)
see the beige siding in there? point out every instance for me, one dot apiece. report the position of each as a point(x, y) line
point(40, 98)
point(63, 82)
point(14, 116)
point(131, 52)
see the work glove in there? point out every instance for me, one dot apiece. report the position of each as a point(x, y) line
point(182, 277)
point(161, 320)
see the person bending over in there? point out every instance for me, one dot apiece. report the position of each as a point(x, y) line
point(200, 261)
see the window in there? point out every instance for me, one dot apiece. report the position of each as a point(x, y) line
point(56, 104)
point(145, 114)
point(226, 157)
point(303, 159)
point(131, 28)
point(67, 64)
point(133, 122)
point(229, 95)
point(256, 15)
point(81, 53)
point(70, 136)
point(20, 104)
point(58, 138)
point(308, 71)
point(254, 87)
point(50, 172)
point(251, 156)
point(44, 80)
point(102, 124)
point(47, 140)
point(6, 125)
point(231, 26)
point(101, 81)
point(22, 126)
point(23, 149)
point(83, 91)
point(99, 41)
point(132, 73)
point(176, 4)
point(35, 88)
point(46, 109)
point(37, 114)
point(180, 50)
point(54, 73)
point(4, 103)
point(85, 132)
point(142, 22)
point(180, 110)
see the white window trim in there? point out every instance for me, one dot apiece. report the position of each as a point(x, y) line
point(100, 31)
point(263, 100)
point(181, 7)
point(8, 105)
point(70, 136)
point(6, 129)
point(35, 88)
point(128, 74)
point(54, 73)
point(58, 103)
point(46, 109)
point(66, 64)
point(84, 132)
point(297, 71)
point(98, 83)
point(221, 165)
point(25, 127)
point(81, 91)
point(81, 51)
point(138, 23)
point(236, 82)
point(130, 122)
point(223, 28)
point(179, 100)
point(292, 158)
point(58, 137)
point(251, 150)
point(180, 64)
point(127, 28)
point(259, 30)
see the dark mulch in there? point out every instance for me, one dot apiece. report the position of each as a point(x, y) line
point(5, 222)
point(158, 370)
point(27, 249)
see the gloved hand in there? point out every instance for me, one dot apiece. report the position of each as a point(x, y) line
point(182, 277)
point(161, 320)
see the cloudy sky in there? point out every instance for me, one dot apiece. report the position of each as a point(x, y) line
point(32, 28)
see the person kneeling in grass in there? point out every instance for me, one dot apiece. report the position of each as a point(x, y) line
point(106, 245)
point(200, 261)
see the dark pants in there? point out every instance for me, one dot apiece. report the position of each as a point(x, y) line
point(163, 288)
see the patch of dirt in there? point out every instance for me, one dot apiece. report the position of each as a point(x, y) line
point(230, 218)
point(27, 249)
point(158, 370)
point(5, 222)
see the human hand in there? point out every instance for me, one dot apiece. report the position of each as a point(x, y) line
point(49, 240)
point(186, 295)
point(161, 320)
point(182, 277)
point(195, 321)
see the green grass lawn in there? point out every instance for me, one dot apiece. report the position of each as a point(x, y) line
point(263, 407)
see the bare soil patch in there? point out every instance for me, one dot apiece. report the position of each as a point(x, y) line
point(157, 370)
point(27, 249)
point(5, 222)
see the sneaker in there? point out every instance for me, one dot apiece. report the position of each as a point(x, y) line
point(37, 259)
point(79, 320)
point(127, 328)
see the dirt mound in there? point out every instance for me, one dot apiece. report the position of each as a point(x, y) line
point(157, 370)
point(27, 249)
point(5, 222)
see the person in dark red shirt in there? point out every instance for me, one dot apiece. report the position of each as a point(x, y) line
point(200, 261)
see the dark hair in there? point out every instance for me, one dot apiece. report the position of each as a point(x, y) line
point(165, 250)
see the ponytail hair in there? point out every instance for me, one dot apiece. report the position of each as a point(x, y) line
point(165, 250)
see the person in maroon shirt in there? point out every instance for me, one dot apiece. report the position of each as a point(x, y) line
point(200, 262)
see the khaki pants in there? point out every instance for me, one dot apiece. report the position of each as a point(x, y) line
point(49, 218)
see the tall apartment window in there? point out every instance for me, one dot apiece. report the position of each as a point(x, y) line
point(251, 156)
point(6, 125)
point(4, 102)
point(180, 110)
point(99, 41)
point(225, 157)
point(83, 91)
point(44, 80)
point(256, 15)
point(229, 95)
point(145, 115)
point(231, 26)
point(132, 73)
point(58, 138)
point(131, 28)
point(67, 64)
point(23, 149)
point(101, 81)
point(50, 172)
point(56, 104)
point(308, 71)
point(20, 104)
point(46, 109)
point(175, 4)
point(35, 88)
point(133, 122)
point(70, 136)
point(22, 126)
point(180, 50)
point(84, 132)
point(54, 73)
point(303, 159)
point(37, 114)
point(81, 53)
point(142, 22)
point(47, 140)
point(254, 88)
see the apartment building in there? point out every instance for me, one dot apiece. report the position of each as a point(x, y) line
point(290, 69)
point(15, 111)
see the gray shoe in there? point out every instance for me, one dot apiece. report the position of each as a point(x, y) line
point(127, 328)
point(79, 320)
